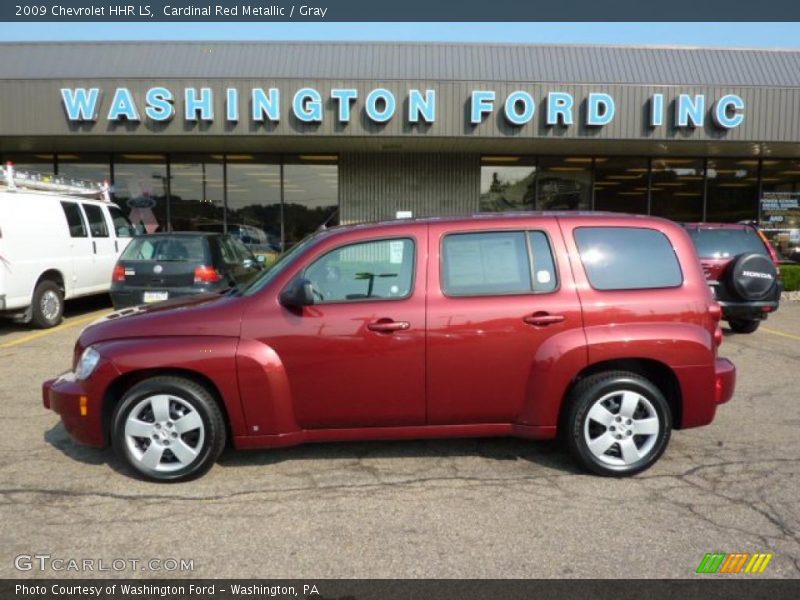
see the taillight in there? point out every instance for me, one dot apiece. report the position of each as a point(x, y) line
point(206, 274)
point(119, 273)
point(715, 310)
point(718, 336)
point(772, 253)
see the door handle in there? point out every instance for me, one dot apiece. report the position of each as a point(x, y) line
point(94, 246)
point(543, 319)
point(116, 246)
point(388, 326)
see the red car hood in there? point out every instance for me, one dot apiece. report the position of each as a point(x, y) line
point(204, 314)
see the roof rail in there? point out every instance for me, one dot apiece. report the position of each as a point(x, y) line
point(15, 181)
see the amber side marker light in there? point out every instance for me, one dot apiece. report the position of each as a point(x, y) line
point(83, 405)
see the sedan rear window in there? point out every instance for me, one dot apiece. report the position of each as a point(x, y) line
point(727, 243)
point(627, 258)
point(165, 249)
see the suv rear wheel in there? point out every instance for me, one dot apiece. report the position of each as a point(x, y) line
point(168, 429)
point(743, 325)
point(618, 423)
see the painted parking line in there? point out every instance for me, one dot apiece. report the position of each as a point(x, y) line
point(781, 333)
point(61, 327)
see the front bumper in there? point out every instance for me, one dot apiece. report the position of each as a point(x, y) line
point(724, 380)
point(80, 403)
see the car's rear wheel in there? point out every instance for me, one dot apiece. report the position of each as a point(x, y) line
point(743, 325)
point(168, 429)
point(619, 423)
point(47, 308)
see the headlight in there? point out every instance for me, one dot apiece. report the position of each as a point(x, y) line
point(87, 363)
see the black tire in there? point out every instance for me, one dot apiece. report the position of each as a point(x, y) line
point(182, 392)
point(594, 388)
point(743, 325)
point(50, 290)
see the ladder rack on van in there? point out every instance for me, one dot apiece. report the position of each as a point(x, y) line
point(14, 181)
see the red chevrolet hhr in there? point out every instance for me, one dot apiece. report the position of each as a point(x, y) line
point(597, 327)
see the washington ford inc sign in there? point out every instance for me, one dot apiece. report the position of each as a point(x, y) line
point(381, 105)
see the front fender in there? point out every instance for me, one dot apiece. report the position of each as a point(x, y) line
point(210, 357)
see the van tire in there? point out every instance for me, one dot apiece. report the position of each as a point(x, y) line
point(47, 308)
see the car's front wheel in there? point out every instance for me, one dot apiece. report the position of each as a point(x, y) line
point(618, 423)
point(168, 429)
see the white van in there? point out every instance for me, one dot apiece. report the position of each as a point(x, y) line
point(54, 245)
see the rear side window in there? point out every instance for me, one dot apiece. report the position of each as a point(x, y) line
point(122, 226)
point(77, 227)
point(166, 249)
point(97, 221)
point(486, 263)
point(727, 243)
point(627, 258)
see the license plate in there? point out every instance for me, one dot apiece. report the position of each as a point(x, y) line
point(150, 297)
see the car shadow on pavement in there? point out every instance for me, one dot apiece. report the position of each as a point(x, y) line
point(548, 454)
point(72, 308)
point(59, 439)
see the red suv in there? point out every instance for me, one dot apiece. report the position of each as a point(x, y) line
point(597, 327)
point(741, 267)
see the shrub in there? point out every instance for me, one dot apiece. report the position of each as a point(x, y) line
point(791, 277)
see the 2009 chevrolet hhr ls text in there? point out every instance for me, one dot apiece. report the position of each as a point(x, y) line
point(597, 327)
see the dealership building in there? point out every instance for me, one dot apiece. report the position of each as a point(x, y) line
point(281, 138)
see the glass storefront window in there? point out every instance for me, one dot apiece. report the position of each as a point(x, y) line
point(620, 184)
point(677, 189)
point(564, 184)
point(254, 203)
point(731, 190)
point(90, 167)
point(507, 183)
point(140, 190)
point(196, 194)
point(780, 206)
point(311, 197)
point(39, 163)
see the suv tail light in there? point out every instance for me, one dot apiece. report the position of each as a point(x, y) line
point(715, 312)
point(119, 273)
point(206, 274)
point(772, 253)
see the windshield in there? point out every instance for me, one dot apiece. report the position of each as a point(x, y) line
point(726, 243)
point(284, 260)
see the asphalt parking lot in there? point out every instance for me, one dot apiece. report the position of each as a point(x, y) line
point(463, 508)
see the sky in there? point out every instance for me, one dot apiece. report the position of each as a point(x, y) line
point(745, 35)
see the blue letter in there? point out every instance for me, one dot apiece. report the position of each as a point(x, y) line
point(204, 104)
point(559, 103)
point(308, 105)
point(419, 107)
point(721, 118)
point(380, 116)
point(511, 113)
point(80, 104)
point(263, 105)
point(594, 117)
point(344, 97)
point(657, 110)
point(159, 104)
point(686, 110)
point(232, 104)
point(123, 106)
point(482, 103)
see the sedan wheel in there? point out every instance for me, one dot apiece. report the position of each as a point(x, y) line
point(618, 423)
point(169, 429)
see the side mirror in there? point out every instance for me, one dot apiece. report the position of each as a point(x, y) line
point(297, 294)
